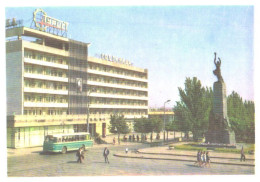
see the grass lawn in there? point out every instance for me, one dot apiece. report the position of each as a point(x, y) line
point(247, 149)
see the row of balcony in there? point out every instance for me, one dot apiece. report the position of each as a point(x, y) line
point(94, 83)
point(45, 91)
point(116, 75)
point(65, 93)
point(93, 71)
point(119, 81)
point(45, 120)
point(111, 85)
point(46, 63)
point(117, 71)
point(45, 77)
point(65, 105)
point(42, 48)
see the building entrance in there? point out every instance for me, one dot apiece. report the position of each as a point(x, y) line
point(92, 129)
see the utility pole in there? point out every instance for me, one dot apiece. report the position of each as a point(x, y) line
point(164, 120)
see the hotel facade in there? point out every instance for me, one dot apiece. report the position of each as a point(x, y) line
point(52, 85)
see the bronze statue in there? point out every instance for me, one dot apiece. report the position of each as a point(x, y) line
point(217, 71)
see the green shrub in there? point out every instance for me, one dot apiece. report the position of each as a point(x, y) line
point(97, 138)
point(230, 150)
point(188, 147)
point(247, 149)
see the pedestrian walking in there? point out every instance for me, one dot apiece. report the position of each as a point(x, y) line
point(137, 137)
point(158, 136)
point(198, 159)
point(126, 150)
point(207, 159)
point(78, 155)
point(130, 137)
point(114, 140)
point(133, 137)
point(105, 154)
point(243, 157)
point(203, 159)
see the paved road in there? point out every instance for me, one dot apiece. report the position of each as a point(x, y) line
point(39, 165)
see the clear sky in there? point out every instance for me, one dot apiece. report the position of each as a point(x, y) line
point(172, 42)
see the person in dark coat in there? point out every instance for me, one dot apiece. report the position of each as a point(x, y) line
point(207, 159)
point(80, 155)
point(198, 158)
point(243, 157)
point(105, 154)
point(114, 140)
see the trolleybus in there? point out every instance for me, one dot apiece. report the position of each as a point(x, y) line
point(66, 142)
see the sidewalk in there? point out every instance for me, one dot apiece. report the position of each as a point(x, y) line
point(38, 149)
point(23, 151)
point(166, 151)
point(163, 153)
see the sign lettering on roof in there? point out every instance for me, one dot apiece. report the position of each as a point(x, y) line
point(49, 24)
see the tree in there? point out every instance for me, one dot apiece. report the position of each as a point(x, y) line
point(241, 116)
point(192, 112)
point(169, 126)
point(143, 125)
point(182, 118)
point(157, 125)
point(118, 125)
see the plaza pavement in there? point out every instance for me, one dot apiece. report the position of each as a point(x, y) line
point(156, 153)
point(164, 153)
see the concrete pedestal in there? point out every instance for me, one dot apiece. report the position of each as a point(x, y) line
point(219, 128)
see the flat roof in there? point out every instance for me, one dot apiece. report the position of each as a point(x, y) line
point(25, 31)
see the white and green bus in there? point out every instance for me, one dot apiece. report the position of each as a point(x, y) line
point(66, 142)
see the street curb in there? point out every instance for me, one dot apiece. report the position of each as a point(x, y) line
point(118, 155)
point(186, 155)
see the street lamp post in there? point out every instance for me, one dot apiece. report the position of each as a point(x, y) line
point(88, 103)
point(164, 120)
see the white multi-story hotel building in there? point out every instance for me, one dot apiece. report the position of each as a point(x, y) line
point(49, 80)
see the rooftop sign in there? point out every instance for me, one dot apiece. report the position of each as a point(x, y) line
point(49, 24)
point(116, 60)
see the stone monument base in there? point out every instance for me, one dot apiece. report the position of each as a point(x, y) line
point(228, 137)
point(220, 131)
point(221, 135)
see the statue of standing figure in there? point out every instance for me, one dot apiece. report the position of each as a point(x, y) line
point(217, 71)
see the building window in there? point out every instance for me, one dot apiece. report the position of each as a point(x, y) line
point(39, 98)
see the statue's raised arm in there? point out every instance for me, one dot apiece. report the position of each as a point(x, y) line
point(219, 61)
point(217, 71)
point(215, 58)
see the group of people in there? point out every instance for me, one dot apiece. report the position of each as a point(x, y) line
point(81, 151)
point(133, 138)
point(203, 159)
